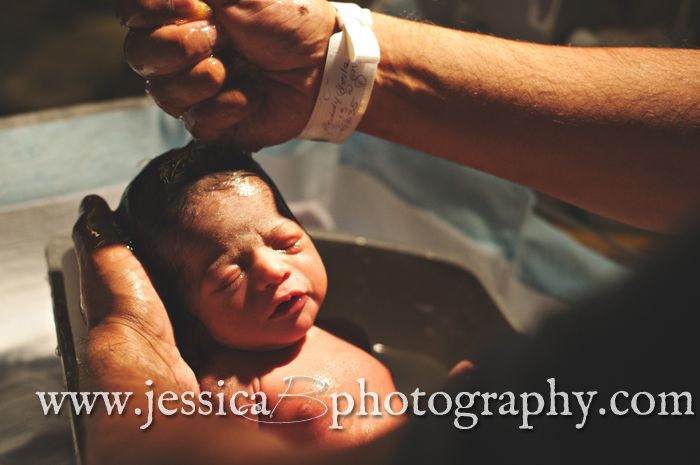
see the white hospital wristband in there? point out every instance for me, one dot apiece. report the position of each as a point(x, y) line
point(348, 77)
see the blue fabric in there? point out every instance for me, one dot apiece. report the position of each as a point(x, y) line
point(71, 154)
point(495, 212)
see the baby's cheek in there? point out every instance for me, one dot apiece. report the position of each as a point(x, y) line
point(217, 324)
point(319, 280)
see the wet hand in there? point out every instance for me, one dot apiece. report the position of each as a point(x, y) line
point(130, 337)
point(248, 75)
point(154, 13)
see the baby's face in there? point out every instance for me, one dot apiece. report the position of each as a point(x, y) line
point(254, 278)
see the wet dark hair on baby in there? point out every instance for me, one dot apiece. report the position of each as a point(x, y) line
point(155, 206)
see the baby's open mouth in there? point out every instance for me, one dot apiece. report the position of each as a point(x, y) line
point(290, 307)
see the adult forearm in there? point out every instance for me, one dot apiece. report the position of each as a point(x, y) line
point(616, 131)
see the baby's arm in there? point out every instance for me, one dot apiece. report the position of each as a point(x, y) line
point(340, 364)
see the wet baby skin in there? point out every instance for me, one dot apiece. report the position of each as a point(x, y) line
point(255, 281)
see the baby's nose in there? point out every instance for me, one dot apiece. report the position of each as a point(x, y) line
point(269, 269)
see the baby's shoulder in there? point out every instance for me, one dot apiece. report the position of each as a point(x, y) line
point(329, 359)
point(324, 351)
point(302, 389)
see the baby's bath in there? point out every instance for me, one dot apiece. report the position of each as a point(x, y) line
point(429, 312)
point(420, 314)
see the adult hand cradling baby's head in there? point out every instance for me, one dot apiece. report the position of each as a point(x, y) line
point(122, 308)
point(102, 256)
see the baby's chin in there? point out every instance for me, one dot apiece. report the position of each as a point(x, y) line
point(296, 332)
point(270, 345)
point(301, 329)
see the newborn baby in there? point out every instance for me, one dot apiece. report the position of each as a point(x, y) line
point(243, 284)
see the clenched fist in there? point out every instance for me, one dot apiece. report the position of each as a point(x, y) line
point(245, 71)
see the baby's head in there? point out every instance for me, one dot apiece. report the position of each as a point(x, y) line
point(221, 244)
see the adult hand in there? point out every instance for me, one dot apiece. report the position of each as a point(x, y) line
point(130, 337)
point(249, 75)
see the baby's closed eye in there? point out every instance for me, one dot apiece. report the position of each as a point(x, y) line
point(290, 244)
point(228, 277)
point(286, 239)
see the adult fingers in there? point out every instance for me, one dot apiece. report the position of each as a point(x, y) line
point(112, 280)
point(462, 369)
point(170, 49)
point(152, 13)
point(101, 250)
point(208, 119)
point(95, 227)
point(176, 93)
point(459, 375)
